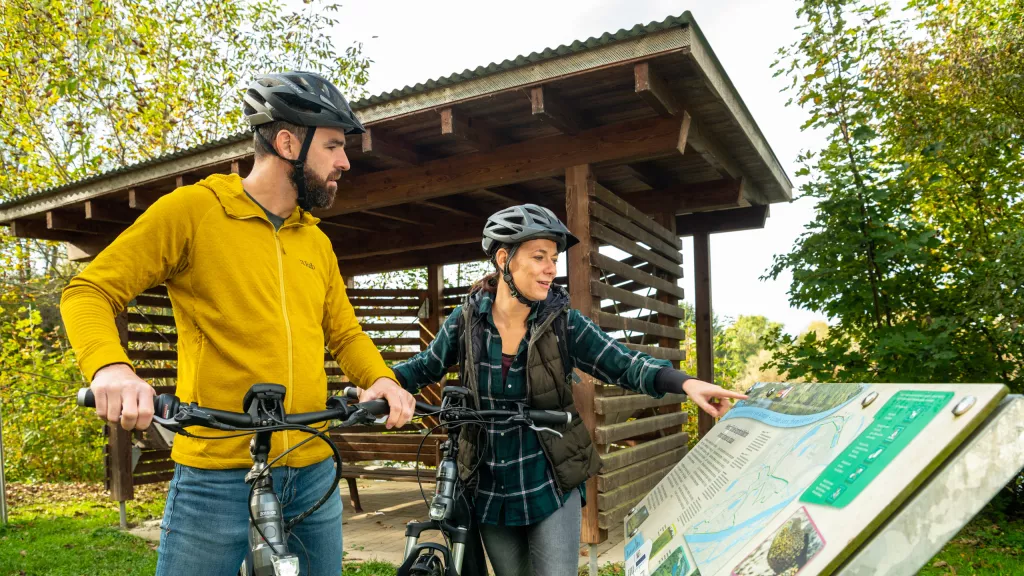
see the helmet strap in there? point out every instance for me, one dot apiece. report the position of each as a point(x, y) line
point(506, 275)
point(298, 165)
point(299, 176)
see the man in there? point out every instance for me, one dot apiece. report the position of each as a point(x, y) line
point(257, 295)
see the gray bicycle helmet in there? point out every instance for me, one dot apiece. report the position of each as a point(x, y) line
point(300, 98)
point(513, 226)
point(303, 99)
point(518, 224)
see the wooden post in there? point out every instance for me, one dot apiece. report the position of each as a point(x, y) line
point(435, 315)
point(119, 446)
point(668, 220)
point(435, 292)
point(702, 322)
point(579, 190)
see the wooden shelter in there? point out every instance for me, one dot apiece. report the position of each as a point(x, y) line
point(637, 138)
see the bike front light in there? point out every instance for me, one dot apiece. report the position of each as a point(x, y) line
point(286, 565)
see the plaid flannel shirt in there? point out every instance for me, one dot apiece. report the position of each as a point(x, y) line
point(516, 484)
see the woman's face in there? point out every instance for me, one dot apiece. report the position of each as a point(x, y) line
point(533, 267)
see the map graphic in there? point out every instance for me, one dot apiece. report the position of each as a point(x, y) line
point(780, 465)
point(795, 478)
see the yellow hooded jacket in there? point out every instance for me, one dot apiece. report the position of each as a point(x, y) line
point(251, 305)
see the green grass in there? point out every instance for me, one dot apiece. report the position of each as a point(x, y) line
point(71, 530)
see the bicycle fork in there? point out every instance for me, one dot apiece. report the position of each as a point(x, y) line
point(268, 554)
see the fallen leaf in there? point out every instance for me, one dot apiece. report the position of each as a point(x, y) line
point(24, 553)
point(940, 564)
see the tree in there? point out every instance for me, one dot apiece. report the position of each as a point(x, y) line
point(93, 86)
point(919, 195)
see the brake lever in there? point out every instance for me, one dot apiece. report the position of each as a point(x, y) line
point(188, 415)
point(543, 429)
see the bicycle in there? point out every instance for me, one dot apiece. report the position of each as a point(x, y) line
point(263, 413)
point(430, 559)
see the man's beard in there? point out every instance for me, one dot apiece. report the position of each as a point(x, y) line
point(318, 193)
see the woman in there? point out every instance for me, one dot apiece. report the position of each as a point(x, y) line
point(516, 341)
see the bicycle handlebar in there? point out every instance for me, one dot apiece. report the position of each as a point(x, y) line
point(166, 406)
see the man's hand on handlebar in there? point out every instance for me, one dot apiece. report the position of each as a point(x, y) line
point(123, 397)
point(401, 402)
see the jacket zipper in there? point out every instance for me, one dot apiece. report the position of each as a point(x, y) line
point(529, 351)
point(287, 327)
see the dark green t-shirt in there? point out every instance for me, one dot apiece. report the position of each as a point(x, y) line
point(276, 220)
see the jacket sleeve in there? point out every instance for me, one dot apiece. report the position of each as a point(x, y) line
point(355, 352)
point(151, 250)
point(432, 364)
point(595, 352)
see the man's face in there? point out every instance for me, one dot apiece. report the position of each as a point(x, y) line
point(325, 162)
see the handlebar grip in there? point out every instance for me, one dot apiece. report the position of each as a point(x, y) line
point(85, 398)
point(550, 417)
point(377, 407)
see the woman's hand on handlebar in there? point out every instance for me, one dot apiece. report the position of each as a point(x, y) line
point(401, 402)
point(123, 397)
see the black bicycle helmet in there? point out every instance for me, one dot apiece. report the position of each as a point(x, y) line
point(299, 98)
point(513, 226)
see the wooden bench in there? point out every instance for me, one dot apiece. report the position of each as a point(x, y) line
point(367, 447)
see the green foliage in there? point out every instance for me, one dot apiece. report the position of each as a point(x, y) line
point(93, 86)
point(919, 188)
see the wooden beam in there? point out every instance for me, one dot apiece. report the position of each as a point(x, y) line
point(613, 432)
point(441, 205)
point(685, 198)
point(389, 147)
point(140, 200)
point(457, 126)
point(412, 259)
point(37, 230)
point(650, 176)
point(749, 218)
point(622, 458)
point(86, 249)
point(702, 321)
point(638, 217)
point(631, 230)
point(344, 225)
point(630, 247)
point(655, 92)
point(404, 214)
point(234, 167)
point(551, 110)
point(352, 247)
point(106, 212)
point(75, 223)
point(519, 162)
point(622, 269)
point(606, 292)
point(615, 322)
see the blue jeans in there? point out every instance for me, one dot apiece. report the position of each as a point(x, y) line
point(204, 531)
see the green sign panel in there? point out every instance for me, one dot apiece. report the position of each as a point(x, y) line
point(894, 426)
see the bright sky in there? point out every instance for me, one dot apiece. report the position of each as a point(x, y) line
point(411, 41)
